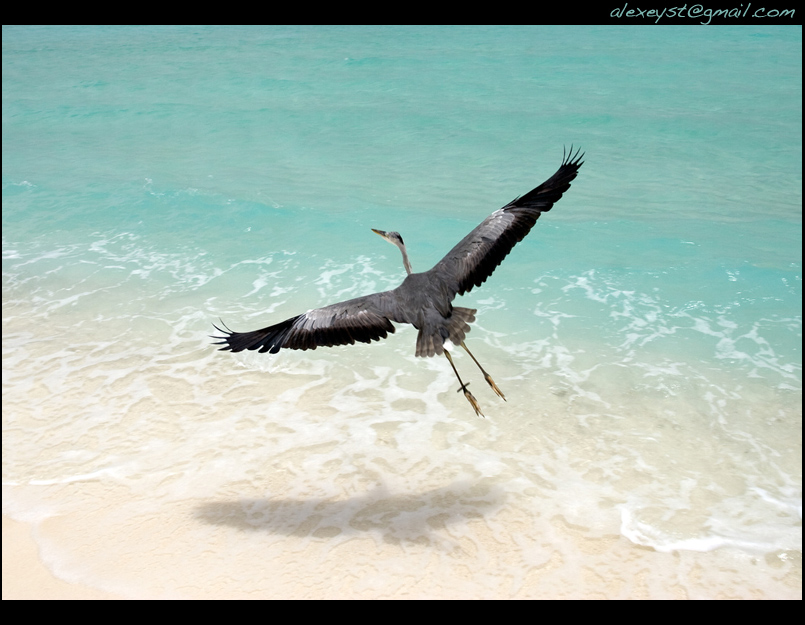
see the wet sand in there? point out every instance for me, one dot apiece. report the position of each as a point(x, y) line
point(26, 577)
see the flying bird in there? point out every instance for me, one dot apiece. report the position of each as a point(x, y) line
point(423, 299)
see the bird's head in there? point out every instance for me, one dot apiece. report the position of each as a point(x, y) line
point(391, 237)
point(396, 239)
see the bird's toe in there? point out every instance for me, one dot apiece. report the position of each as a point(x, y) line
point(473, 402)
point(494, 386)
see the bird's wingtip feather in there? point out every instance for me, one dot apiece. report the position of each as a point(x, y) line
point(571, 158)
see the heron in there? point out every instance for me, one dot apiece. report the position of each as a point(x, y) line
point(423, 300)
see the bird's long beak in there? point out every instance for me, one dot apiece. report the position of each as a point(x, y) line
point(381, 233)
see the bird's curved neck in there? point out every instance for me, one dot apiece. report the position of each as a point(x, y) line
point(406, 262)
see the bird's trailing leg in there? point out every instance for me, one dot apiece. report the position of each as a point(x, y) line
point(487, 377)
point(467, 394)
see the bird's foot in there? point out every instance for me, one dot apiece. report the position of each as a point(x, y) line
point(471, 398)
point(494, 386)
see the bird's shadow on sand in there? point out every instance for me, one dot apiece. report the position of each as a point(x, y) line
point(396, 518)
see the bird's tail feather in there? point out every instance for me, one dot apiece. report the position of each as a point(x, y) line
point(430, 343)
point(460, 323)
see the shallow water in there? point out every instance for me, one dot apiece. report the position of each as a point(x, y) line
point(647, 333)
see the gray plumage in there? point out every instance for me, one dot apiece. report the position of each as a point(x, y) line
point(423, 299)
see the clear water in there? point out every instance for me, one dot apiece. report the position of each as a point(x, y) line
point(647, 333)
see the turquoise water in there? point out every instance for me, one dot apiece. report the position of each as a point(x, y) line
point(647, 333)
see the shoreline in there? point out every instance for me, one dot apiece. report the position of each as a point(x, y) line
point(26, 577)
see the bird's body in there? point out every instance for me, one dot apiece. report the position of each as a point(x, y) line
point(423, 300)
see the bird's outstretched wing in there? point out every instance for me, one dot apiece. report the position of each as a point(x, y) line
point(478, 254)
point(361, 319)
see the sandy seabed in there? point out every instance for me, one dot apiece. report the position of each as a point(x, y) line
point(182, 475)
